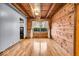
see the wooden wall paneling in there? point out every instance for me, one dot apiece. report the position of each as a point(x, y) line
point(77, 31)
point(29, 24)
point(40, 35)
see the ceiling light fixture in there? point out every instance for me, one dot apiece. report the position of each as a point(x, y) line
point(37, 9)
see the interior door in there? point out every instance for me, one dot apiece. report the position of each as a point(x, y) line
point(21, 32)
point(21, 28)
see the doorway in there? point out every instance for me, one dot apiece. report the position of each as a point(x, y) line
point(21, 28)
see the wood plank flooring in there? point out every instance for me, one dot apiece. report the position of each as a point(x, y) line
point(35, 47)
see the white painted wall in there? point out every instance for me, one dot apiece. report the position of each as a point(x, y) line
point(9, 26)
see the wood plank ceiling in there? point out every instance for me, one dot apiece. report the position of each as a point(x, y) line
point(47, 9)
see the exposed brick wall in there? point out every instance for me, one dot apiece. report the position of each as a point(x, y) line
point(63, 28)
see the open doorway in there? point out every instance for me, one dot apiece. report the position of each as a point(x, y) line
point(21, 28)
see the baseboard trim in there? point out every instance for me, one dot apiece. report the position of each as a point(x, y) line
point(10, 47)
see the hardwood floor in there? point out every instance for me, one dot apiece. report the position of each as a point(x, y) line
point(35, 47)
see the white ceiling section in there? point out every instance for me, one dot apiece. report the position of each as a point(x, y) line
point(36, 10)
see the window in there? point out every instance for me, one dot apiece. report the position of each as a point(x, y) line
point(39, 26)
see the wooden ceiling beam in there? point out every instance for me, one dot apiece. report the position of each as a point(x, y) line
point(23, 8)
point(20, 8)
point(31, 6)
point(14, 5)
point(50, 10)
point(28, 9)
point(56, 9)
